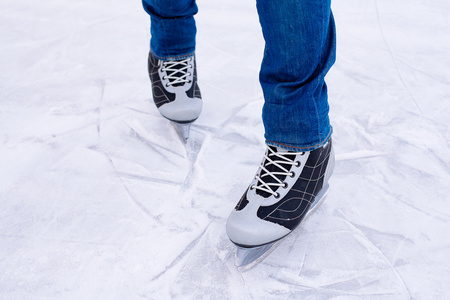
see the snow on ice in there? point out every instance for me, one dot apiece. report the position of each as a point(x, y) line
point(99, 199)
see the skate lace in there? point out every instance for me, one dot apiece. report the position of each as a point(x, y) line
point(177, 72)
point(273, 172)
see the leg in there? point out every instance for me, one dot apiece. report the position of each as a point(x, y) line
point(172, 28)
point(293, 178)
point(171, 62)
point(300, 49)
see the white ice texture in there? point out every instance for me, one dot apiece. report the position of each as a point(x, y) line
point(99, 198)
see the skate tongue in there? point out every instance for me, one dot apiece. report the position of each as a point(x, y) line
point(282, 150)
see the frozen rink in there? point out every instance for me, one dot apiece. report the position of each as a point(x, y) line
point(99, 199)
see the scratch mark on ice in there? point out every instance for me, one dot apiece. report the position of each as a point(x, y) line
point(391, 52)
point(186, 251)
point(358, 155)
point(369, 244)
point(99, 109)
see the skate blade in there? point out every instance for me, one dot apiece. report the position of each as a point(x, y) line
point(183, 130)
point(247, 258)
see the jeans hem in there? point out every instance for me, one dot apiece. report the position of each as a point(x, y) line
point(171, 58)
point(300, 148)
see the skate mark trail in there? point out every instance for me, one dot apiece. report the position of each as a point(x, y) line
point(193, 147)
point(398, 197)
point(234, 113)
point(299, 284)
point(200, 240)
point(70, 241)
point(139, 111)
point(392, 54)
point(210, 129)
point(130, 196)
point(148, 139)
point(189, 248)
point(368, 243)
point(144, 296)
point(445, 12)
point(155, 147)
point(397, 237)
point(302, 262)
point(361, 154)
point(399, 247)
point(147, 179)
point(432, 76)
point(213, 247)
point(98, 110)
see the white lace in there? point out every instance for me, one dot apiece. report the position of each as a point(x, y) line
point(177, 75)
point(283, 172)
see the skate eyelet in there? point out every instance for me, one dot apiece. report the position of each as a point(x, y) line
point(252, 187)
point(276, 196)
point(302, 153)
point(164, 77)
point(292, 174)
point(297, 164)
point(285, 185)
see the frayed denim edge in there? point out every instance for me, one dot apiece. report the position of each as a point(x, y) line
point(170, 58)
point(300, 148)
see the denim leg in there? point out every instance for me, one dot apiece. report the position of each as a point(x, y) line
point(300, 49)
point(172, 27)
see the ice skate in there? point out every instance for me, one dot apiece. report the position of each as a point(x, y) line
point(287, 188)
point(175, 91)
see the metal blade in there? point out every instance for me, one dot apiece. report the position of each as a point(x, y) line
point(183, 130)
point(247, 258)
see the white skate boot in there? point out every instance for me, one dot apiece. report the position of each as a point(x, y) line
point(287, 188)
point(175, 91)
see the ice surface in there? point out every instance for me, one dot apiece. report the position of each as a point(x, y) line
point(99, 198)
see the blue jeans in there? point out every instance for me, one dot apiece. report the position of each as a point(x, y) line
point(300, 49)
